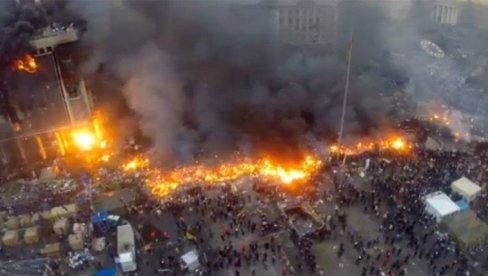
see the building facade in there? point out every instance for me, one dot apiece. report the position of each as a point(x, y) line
point(45, 102)
point(446, 12)
point(307, 23)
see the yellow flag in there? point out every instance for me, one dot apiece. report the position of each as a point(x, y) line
point(189, 236)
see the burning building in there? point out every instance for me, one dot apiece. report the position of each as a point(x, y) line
point(46, 98)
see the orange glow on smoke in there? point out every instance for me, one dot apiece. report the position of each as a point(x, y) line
point(27, 64)
point(161, 183)
point(394, 143)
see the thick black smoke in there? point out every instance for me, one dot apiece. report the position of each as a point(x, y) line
point(19, 23)
point(208, 78)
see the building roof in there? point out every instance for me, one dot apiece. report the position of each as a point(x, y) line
point(441, 203)
point(467, 186)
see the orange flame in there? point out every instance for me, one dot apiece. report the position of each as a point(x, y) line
point(27, 64)
point(395, 144)
point(161, 183)
point(89, 137)
point(136, 164)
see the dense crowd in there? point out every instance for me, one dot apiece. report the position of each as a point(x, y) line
point(395, 197)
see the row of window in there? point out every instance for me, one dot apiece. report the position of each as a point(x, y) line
point(307, 12)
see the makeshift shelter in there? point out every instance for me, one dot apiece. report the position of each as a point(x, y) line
point(64, 211)
point(31, 235)
point(462, 204)
point(61, 227)
point(190, 260)
point(35, 218)
point(106, 272)
point(75, 241)
point(440, 205)
point(25, 220)
point(46, 215)
point(11, 238)
point(466, 188)
point(12, 223)
point(466, 228)
point(52, 250)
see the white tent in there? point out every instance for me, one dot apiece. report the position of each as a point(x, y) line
point(466, 188)
point(440, 205)
point(190, 260)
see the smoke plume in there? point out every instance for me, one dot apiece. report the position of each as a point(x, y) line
point(207, 78)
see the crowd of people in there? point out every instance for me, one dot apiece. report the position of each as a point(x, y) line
point(229, 227)
point(395, 197)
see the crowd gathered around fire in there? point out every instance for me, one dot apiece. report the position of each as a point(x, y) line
point(393, 196)
point(395, 183)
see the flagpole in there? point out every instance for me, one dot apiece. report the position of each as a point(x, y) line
point(346, 90)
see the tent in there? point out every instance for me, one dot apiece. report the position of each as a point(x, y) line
point(11, 238)
point(61, 226)
point(466, 188)
point(75, 241)
point(35, 218)
point(462, 204)
point(31, 235)
point(12, 223)
point(25, 220)
point(52, 250)
point(190, 260)
point(64, 211)
point(466, 228)
point(440, 205)
point(106, 272)
point(46, 215)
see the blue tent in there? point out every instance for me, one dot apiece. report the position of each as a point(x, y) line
point(462, 204)
point(106, 272)
point(99, 217)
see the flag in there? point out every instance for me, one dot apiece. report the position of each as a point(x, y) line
point(349, 49)
point(189, 236)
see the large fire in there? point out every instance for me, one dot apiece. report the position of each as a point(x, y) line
point(84, 139)
point(161, 183)
point(27, 63)
point(394, 143)
point(90, 136)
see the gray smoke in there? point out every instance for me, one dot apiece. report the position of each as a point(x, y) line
point(206, 77)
